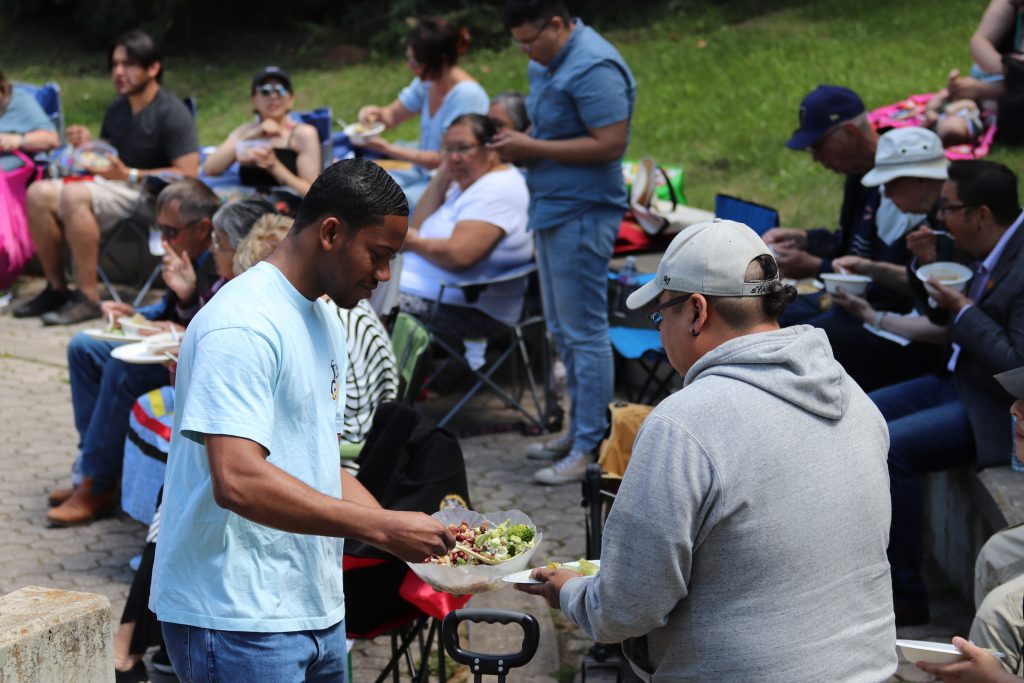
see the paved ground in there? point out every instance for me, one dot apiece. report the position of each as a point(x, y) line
point(37, 443)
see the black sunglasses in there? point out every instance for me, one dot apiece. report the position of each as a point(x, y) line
point(656, 317)
point(170, 232)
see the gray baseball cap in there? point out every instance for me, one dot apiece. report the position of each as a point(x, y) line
point(707, 258)
point(1013, 381)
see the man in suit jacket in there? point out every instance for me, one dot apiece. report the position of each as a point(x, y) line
point(959, 415)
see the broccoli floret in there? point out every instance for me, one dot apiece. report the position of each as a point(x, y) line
point(524, 532)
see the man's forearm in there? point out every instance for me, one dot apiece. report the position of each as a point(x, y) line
point(890, 276)
point(266, 494)
point(354, 492)
point(581, 151)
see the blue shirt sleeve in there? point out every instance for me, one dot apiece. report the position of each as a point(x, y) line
point(231, 387)
point(413, 96)
point(602, 96)
point(24, 115)
point(467, 97)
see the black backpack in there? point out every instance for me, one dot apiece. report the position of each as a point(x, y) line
point(406, 465)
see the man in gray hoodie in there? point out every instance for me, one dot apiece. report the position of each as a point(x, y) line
point(748, 538)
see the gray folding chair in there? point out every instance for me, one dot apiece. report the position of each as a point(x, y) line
point(515, 338)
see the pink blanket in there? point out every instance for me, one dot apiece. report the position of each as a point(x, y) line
point(910, 112)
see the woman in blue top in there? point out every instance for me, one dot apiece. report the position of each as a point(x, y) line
point(440, 92)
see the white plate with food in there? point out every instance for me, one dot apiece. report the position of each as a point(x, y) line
point(358, 132)
point(915, 651)
point(115, 335)
point(151, 351)
point(585, 567)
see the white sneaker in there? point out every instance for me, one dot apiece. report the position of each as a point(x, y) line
point(567, 470)
point(552, 448)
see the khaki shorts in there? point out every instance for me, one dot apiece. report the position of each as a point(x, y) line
point(112, 200)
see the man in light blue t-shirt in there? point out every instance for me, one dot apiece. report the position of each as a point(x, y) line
point(580, 105)
point(247, 580)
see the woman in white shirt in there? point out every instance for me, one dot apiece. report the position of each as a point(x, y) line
point(470, 224)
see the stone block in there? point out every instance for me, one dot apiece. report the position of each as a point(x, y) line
point(55, 635)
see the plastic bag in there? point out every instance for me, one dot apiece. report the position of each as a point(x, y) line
point(469, 580)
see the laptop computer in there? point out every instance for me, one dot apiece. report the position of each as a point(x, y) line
point(759, 217)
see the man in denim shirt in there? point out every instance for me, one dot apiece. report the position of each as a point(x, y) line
point(580, 104)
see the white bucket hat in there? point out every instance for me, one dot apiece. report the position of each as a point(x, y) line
point(910, 152)
point(707, 258)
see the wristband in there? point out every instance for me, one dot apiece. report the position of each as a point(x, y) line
point(21, 144)
point(879, 317)
point(133, 176)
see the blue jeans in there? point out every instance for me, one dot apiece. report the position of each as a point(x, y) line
point(573, 264)
point(203, 655)
point(102, 393)
point(928, 432)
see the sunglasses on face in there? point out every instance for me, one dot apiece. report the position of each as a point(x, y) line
point(268, 89)
point(656, 316)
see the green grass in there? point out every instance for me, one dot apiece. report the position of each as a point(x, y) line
point(718, 97)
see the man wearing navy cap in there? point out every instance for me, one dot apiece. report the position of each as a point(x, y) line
point(834, 127)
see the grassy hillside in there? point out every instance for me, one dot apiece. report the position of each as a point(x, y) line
point(720, 97)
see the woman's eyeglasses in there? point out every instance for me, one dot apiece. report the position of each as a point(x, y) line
point(268, 89)
point(458, 149)
point(657, 318)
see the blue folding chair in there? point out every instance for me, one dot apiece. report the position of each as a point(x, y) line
point(321, 119)
point(48, 97)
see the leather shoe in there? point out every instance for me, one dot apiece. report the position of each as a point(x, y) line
point(59, 495)
point(76, 309)
point(83, 506)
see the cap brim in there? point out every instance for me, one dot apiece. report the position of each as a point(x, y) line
point(802, 139)
point(1013, 382)
point(880, 175)
point(644, 295)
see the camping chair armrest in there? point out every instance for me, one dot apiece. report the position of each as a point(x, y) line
point(472, 288)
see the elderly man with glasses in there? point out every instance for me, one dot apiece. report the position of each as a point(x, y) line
point(754, 510)
point(103, 388)
point(834, 128)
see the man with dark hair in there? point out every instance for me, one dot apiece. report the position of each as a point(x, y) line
point(754, 510)
point(957, 416)
point(103, 388)
point(247, 580)
point(580, 105)
point(153, 133)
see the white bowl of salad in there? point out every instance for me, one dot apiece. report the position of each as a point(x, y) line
point(488, 547)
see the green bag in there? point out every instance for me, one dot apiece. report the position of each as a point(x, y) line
point(668, 181)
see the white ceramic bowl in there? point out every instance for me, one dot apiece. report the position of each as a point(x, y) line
point(245, 148)
point(951, 274)
point(851, 284)
point(358, 132)
point(134, 328)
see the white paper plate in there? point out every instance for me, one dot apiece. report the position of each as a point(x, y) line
point(116, 337)
point(524, 576)
point(149, 352)
point(916, 651)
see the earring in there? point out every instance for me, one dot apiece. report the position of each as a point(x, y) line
point(694, 332)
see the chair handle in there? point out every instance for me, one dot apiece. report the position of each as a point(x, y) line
point(490, 664)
